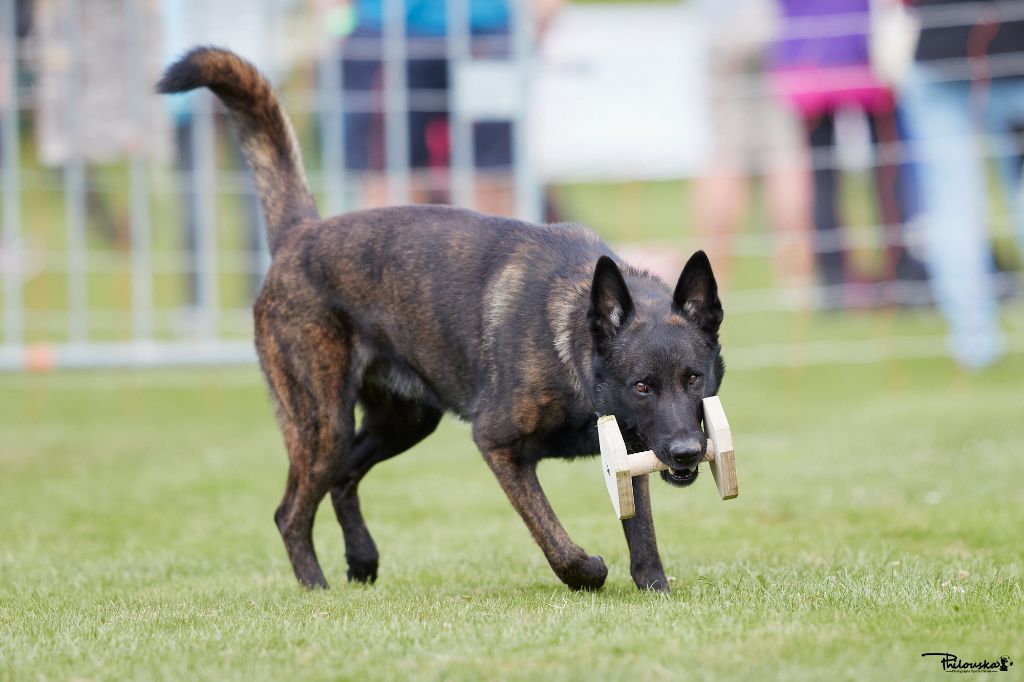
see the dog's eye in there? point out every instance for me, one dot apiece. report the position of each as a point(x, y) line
point(692, 379)
point(641, 387)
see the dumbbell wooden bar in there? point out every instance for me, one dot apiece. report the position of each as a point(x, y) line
point(620, 467)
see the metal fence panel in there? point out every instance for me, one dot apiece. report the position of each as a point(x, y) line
point(206, 320)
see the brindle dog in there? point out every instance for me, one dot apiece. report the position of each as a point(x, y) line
point(526, 331)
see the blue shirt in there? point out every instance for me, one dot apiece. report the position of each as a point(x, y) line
point(428, 17)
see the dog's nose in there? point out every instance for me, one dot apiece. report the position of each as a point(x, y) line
point(686, 452)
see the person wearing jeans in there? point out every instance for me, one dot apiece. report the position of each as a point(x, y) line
point(961, 85)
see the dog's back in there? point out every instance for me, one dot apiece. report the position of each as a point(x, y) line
point(437, 287)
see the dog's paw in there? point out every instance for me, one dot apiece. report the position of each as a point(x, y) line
point(314, 583)
point(362, 570)
point(650, 578)
point(652, 583)
point(586, 573)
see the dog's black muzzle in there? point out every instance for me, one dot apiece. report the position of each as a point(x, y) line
point(683, 456)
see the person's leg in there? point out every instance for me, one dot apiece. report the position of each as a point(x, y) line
point(720, 199)
point(952, 181)
point(888, 185)
point(827, 240)
point(362, 119)
point(494, 185)
point(903, 276)
point(100, 211)
point(910, 269)
point(427, 92)
point(492, 151)
point(722, 191)
point(427, 84)
point(788, 198)
point(1002, 104)
point(786, 188)
point(1004, 115)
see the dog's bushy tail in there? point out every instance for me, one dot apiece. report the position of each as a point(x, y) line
point(264, 131)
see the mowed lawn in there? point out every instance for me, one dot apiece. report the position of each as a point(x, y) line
point(881, 516)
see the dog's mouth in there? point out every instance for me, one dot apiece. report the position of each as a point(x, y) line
point(679, 477)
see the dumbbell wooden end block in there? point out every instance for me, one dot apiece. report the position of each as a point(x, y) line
point(620, 467)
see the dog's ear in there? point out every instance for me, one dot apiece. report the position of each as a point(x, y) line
point(696, 295)
point(611, 306)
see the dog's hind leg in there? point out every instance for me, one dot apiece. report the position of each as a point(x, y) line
point(306, 487)
point(569, 561)
point(391, 425)
point(310, 373)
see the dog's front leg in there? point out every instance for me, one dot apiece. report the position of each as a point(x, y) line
point(571, 564)
point(644, 561)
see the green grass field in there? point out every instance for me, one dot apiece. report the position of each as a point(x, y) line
point(879, 518)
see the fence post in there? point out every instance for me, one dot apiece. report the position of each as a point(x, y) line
point(528, 196)
point(75, 191)
point(205, 192)
point(11, 260)
point(396, 114)
point(330, 90)
point(460, 166)
point(142, 268)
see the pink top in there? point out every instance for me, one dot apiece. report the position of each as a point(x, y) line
point(813, 90)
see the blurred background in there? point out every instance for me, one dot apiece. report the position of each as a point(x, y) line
point(853, 167)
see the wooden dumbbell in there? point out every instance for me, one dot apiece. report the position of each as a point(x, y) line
point(620, 467)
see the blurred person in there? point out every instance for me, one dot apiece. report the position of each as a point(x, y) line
point(83, 114)
point(966, 80)
point(23, 23)
point(753, 135)
point(821, 66)
point(427, 74)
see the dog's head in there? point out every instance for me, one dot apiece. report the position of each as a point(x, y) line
point(655, 359)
